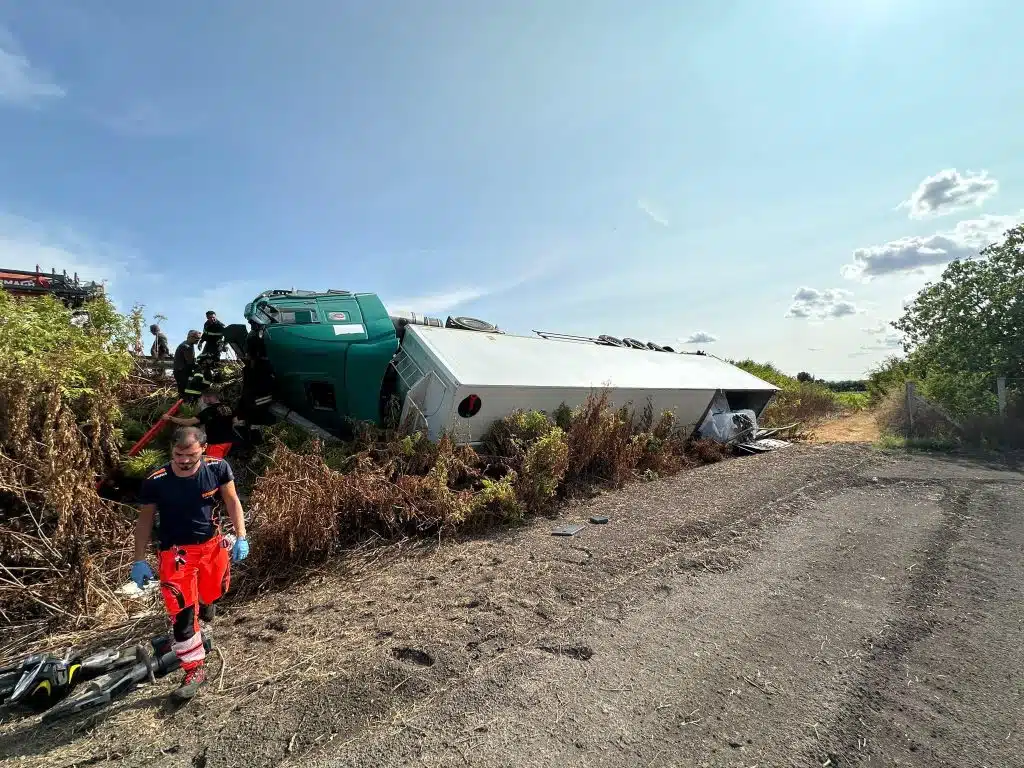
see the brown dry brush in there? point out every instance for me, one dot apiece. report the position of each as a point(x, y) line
point(61, 546)
point(312, 500)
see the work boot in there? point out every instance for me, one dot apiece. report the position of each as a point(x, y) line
point(189, 687)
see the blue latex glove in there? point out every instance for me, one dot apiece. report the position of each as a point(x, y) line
point(141, 573)
point(240, 551)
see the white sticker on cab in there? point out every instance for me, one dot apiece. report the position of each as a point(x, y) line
point(348, 329)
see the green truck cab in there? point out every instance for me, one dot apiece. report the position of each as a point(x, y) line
point(329, 352)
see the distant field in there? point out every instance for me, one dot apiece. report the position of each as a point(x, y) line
point(852, 401)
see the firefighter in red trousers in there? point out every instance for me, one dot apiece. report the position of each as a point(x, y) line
point(194, 558)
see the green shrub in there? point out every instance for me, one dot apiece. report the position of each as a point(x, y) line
point(500, 497)
point(131, 431)
point(144, 462)
point(59, 392)
point(801, 402)
point(543, 468)
point(889, 376)
point(852, 401)
point(961, 394)
point(513, 434)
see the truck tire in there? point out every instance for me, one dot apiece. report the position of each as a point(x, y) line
point(656, 347)
point(609, 341)
point(470, 324)
point(634, 343)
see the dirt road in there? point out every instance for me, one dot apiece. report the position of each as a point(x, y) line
point(858, 427)
point(824, 605)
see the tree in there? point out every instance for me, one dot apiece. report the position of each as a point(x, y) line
point(972, 319)
point(804, 376)
point(968, 328)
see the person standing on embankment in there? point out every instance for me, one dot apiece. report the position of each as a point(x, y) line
point(194, 561)
point(185, 367)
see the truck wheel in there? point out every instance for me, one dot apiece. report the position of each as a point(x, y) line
point(470, 324)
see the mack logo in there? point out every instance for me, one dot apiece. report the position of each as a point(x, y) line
point(337, 316)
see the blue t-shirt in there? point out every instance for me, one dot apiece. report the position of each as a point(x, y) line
point(185, 504)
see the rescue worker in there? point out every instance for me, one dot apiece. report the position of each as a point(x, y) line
point(213, 336)
point(194, 558)
point(185, 367)
point(161, 347)
point(257, 374)
point(218, 421)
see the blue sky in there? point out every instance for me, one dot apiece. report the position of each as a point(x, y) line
point(658, 170)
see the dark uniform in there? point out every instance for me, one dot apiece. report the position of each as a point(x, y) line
point(161, 347)
point(195, 559)
point(188, 376)
point(212, 339)
point(217, 420)
point(258, 375)
point(184, 364)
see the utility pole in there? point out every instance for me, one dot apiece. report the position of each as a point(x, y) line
point(1001, 393)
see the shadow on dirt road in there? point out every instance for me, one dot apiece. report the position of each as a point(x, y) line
point(819, 605)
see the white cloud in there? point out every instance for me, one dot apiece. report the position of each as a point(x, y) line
point(21, 84)
point(448, 299)
point(948, 191)
point(652, 212)
point(911, 254)
point(24, 244)
point(435, 303)
point(815, 349)
point(810, 303)
point(878, 329)
point(699, 337)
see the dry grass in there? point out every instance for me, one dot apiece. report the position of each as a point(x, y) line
point(994, 432)
point(929, 422)
point(63, 549)
point(60, 544)
point(311, 500)
point(804, 403)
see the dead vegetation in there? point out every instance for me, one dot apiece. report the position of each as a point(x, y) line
point(74, 401)
point(932, 427)
point(61, 546)
point(310, 500)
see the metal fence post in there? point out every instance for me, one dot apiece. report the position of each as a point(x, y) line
point(910, 408)
point(1001, 393)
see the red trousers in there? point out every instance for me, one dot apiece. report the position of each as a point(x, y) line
point(192, 575)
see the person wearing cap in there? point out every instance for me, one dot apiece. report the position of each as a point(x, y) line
point(184, 368)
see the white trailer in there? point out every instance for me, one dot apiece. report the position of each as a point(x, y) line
point(462, 381)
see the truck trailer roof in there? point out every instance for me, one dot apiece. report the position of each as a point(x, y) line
point(493, 359)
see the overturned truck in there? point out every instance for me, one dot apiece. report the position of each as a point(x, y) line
point(328, 359)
